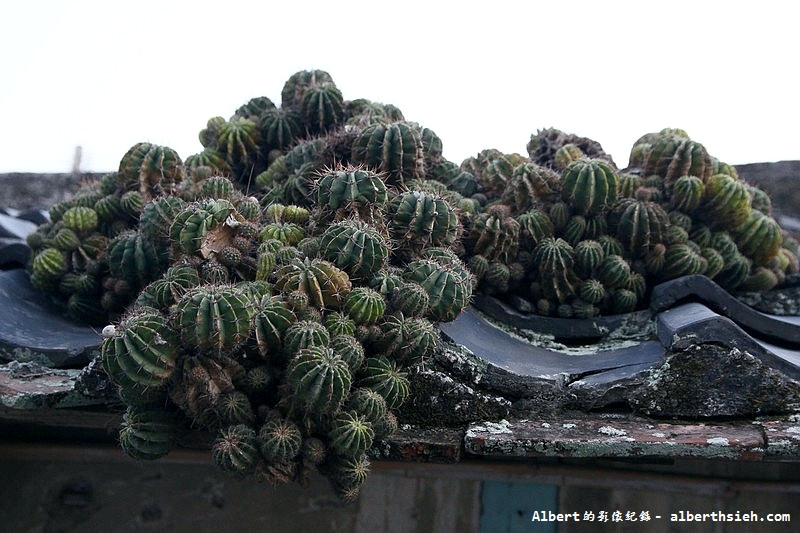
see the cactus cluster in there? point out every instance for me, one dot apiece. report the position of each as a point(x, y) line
point(579, 237)
point(284, 318)
point(283, 321)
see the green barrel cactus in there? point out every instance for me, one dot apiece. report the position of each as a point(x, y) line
point(623, 301)
point(217, 188)
point(351, 434)
point(207, 160)
point(279, 440)
point(395, 149)
point(236, 450)
point(157, 217)
point(588, 256)
point(726, 202)
point(566, 155)
point(589, 186)
point(280, 128)
point(190, 228)
point(305, 334)
point(150, 169)
point(687, 193)
point(349, 349)
point(682, 260)
point(338, 323)
point(368, 404)
point(555, 259)
point(140, 356)
point(214, 318)
point(208, 135)
point(364, 305)
point(234, 407)
point(535, 225)
point(355, 247)
point(238, 143)
point(384, 377)
point(614, 271)
point(325, 284)
point(638, 224)
point(673, 156)
point(421, 219)
point(82, 220)
point(347, 475)
point(134, 258)
point(322, 107)
point(495, 234)
point(408, 340)
point(49, 264)
point(271, 319)
point(592, 291)
point(254, 108)
point(169, 288)
point(412, 299)
point(759, 238)
point(147, 433)
point(286, 232)
point(319, 378)
point(298, 83)
point(449, 286)
point(761, 279)
point(734, 273)
point(574, 230)
point(348, 191)
point(495, 171)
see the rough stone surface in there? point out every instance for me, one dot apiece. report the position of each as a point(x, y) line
point(32, 386)
point(613, 437)
point(783, 438)
point(439, 400)
point(31, 330)
point(710, 380)
point(418, 444)
point(608, 389)
point(693, 323)
point(93, 382)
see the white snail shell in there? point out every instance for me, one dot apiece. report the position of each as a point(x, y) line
point(109, 331)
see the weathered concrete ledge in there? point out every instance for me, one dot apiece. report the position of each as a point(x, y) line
point(38, 399)
point(632, 437)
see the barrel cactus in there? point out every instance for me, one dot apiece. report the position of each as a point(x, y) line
point(279, 440)
point(589, 186)
point(395, 149)
point(147, 433)
point(319, 378)
point(324, 283)
point(150, 169)
point(355, 247)
point(236, 449)
point(555, 258)
point(422, 219)
point(214, 318)
point(140, 356)
point(638, 224)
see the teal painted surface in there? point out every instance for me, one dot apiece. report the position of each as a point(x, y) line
point(508, 507)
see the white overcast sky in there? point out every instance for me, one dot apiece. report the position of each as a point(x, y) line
point(106, 74)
